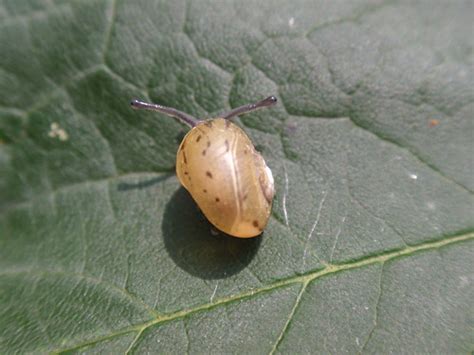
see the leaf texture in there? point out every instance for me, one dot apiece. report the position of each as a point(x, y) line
point(369, 248)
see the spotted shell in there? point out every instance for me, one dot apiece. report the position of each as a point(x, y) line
point(229, 180)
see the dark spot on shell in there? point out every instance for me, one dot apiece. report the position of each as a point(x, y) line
point(204, 152)
point(226, 145)
point(255, 223)
point(245, 197)
point(185, 173)
point(227, 123)
point(217, 199)
point(184, 158)
point(198, 138)
point(205, 191)
point(208, 173)
point(208, 124)
point(245, 151)
point(208, 144)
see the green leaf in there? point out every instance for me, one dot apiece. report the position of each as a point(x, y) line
point(370, 247)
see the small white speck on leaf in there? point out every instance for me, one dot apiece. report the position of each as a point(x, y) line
point(62, 135)
point(214, 293)
point(291, 22)
point(413, 176)
point(58, 132)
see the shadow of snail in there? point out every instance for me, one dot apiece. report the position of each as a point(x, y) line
point(192, 246)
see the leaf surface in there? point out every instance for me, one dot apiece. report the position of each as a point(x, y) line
point(370, 244)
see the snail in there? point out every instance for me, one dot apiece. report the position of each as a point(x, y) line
point(219, 166)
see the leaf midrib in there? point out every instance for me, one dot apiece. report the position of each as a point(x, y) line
point(304, 279)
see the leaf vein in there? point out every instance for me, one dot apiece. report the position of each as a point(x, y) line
point(376, 310)
point(112, 14)
point(305, 278)
point(290, 317)
point(412, 153)
point(133, 298)
point(66, 188)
